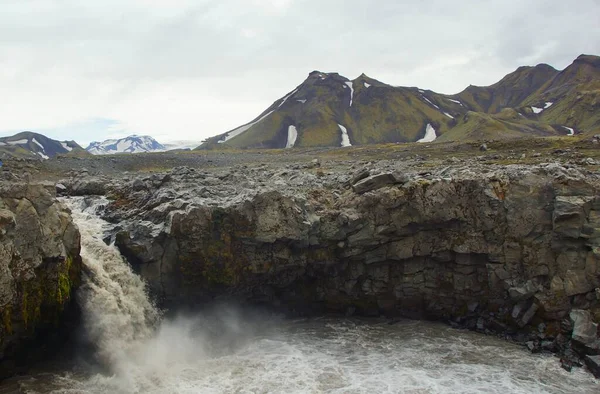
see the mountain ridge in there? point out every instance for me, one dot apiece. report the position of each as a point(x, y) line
point(130, 144)
point(326, 108)
point(34, 145)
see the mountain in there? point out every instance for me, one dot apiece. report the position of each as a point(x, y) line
point(182, 145)
point(131, 144)
point(328, 109)
point(29, 144)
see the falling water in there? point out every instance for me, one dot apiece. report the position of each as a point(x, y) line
point(228, 350)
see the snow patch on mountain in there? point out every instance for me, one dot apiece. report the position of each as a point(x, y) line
point(303, 101)
point(18, 142)
point(426, 99)
point(241, 129)
point(571, 130)
point(287, 97)
point(367, 85)
point(292, 136)
point(429, 134)
point(537, 110)
point(349, 84)
point(38, 144)
point(67, 147)
point(131, 144)
point(345, 137)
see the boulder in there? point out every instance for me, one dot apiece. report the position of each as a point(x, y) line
point(593, 364)
point(585, 331)
point(375, 182)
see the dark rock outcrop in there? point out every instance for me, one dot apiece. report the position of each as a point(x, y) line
point(40, 269)
point(514, 251)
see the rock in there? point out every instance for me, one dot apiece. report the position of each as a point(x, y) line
point(378, 181)
point(569, 214)
point(138, 184)
point(359, 176)
point(522, 292)
point(576, 282)
point(39, 270)
point(61, 189)
point(593, 364)
point(528, 315)
point(483, 147)
point(585, 331)
point(88, 186)
point(533, 346)
point(549, 346)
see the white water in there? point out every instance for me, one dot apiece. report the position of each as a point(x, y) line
point(233, 351)
point(118, 315)
point(345, 138)
point(292, 136)
point(430, 134)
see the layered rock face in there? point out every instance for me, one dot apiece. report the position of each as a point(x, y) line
point(40, 268)
point(509, 249)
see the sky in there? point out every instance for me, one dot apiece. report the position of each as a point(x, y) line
point(187, 70)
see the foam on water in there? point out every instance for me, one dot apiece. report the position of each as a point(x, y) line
point(228, 350)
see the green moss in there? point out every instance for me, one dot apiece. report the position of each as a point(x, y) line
point(7, 320)
point(31, 302)
point(63, 292)
point(44, 297)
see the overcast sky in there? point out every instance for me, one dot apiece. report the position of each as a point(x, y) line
point(178, 69)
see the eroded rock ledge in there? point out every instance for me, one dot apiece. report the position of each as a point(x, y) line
point(39, 270)
point(508, 249)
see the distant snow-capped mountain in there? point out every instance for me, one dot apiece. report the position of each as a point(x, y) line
point(131, 144)
point(30, 144)
point(182, 145)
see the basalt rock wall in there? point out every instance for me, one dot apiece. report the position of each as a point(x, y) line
point(40, 268)
point(506, 249)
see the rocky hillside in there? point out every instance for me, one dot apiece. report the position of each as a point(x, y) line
point(131, 144)
point(328, 109)
point(39, 269)
point(28, 144)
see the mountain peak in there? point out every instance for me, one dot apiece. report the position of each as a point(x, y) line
point(131, 144)
point(588, 59)
point(35, 145)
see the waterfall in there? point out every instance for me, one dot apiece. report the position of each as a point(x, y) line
point(118, 315)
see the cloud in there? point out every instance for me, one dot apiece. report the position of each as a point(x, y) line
point(192, 69)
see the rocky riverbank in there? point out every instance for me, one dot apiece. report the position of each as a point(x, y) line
point(40, 269)
point(502, 249)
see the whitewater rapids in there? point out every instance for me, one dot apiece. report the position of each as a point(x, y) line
point(229, 350)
